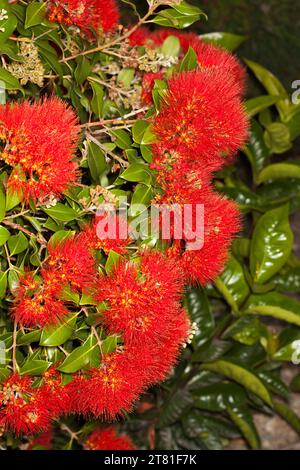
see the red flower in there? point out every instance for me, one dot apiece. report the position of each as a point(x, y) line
point(210, 56)
point(37, 303)
point(88, 15)
point(96, 237)
point(221, 224)
point(202, 118)
point(23, 409)
point(140, 36)
point(43, 441)
point(148, 84)
point(38, 140)
point(110, 390)
point(59, 402)
point(70, 262)
point(141, 301)
point(108, 439)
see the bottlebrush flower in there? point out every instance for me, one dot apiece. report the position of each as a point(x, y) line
point(88, 15)
point(93, 234)
point(37, 303)
point(38, 140)
point(70, 262)
point(210, 56)
point(59, 402)
point(148, 84)
point(108, 439)
point(110, 390)
point(23, 409)
point(221, 224)
point(202, 117)
point(140, 36)
point(141, 301)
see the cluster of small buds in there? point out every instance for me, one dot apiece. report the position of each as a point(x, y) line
point(152, 61)
point(193, 330)
point(31, 69)
point(71, 45)
point(134, 100)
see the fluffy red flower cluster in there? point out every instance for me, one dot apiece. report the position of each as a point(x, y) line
point(38, 141)
point(143, 307)
point(25, 408)
point(108, 439)
point(91, 16)
point(201, 125)
point(38, 301)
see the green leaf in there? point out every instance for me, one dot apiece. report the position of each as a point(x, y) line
point(7, 25)
point(112, 261)
point(96, 161)
point(227, 40)
point(110, 344)
point(232, 284)
point(218, 397)
point(97, 100)
point(125, 77)
point(190, 61)
point(241, 375)
point(288, 414)
point(171, 47)
point(35, 14)
point(241, 416)
point(138, 130)
point(61, 212)
point(34, 367)
point(280, 170)
point(176, 19)
point(2, 204)
point(277, 137)
point(17, 243)
point(246, 330)
point(273, 86)
point(256, 105)
point(174, 407)
point(275, 305)
point(256, 151)
point(137, 172)
point(79, 357)
point(3, 284)
point(271, 244)
point(4, 235)
point(142, 195)
point(12, 199)
point(123, 139)
point(28, 338)
point(57, 335)
point(11, 82)
point(197, 304)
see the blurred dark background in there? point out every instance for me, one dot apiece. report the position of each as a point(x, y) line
point(272, 28)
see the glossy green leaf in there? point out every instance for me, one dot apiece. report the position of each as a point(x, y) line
point(241, 416)
point(59, 334)
point(96, 161)
point(241, 375)
point(61, 212)
point(197, 304)
point(34, 367)
point(190, 61)
point(35, 14)
point(218, 397)
point(17, 243)
point(137, 172)
point(288, 415)
point(256, 105)
point(97, 100)
point(278, 138)
point(271, 244)
point(4, 235)
point(227, 40)
point(11, 82)
point(79, 357)
point(171, 47)
point(232, 284)
point(138, 130)
point(8, 23)
point(275, 305)
point(280, 170)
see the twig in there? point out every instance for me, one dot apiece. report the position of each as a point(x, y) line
point(119, 40)
point(108, 152)
point(15, 226)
